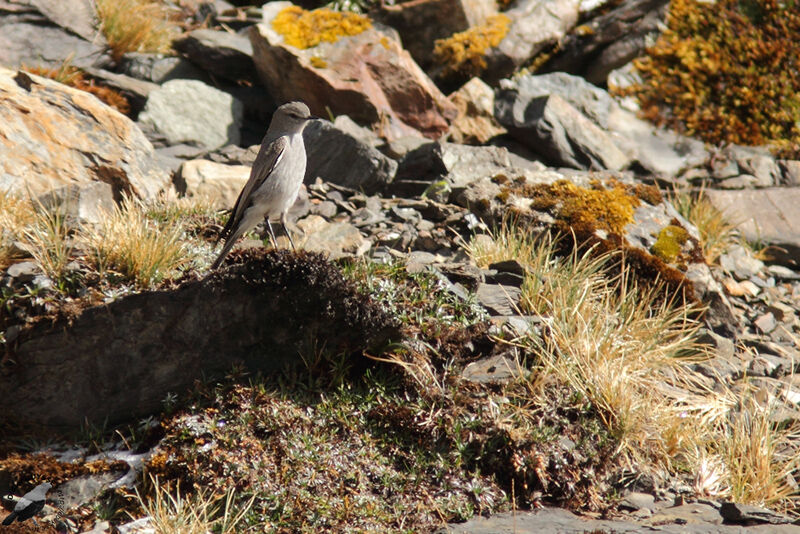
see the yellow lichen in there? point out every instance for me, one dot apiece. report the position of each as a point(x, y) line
point(318, 63)
point(306, 29)
point(669, 242)
point(607, 208)
point(385, 42)
point(463, 53)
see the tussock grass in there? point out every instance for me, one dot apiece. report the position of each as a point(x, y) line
point(716, 233)
point(48, 240)
point(16, 213)
point(200, 513)
point(627, 349)
point(136, 26)
point(130, 242)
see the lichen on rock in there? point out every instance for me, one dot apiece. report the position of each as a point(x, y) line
point(669, 242)
point(306, 29)
point(463, 52)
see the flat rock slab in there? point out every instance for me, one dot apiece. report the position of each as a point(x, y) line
point(555, 520)
point(769, 216)
point(116, 362)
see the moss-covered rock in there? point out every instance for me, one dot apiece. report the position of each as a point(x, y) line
point(463, 53)
point(306, 29)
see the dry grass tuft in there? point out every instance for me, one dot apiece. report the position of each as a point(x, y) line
point(130, 242)
point(16, 213)
point(199, 514)
point(136, 26)
point(716, 233)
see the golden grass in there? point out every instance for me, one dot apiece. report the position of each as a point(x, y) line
point(16, 213)
point(716, 233)
point(47, 238)
point(203, 512)
point(627, 349)
point(136, 26)
point(131, 243)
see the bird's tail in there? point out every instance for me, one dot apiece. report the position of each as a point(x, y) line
point(10, 519)
point(229, 242)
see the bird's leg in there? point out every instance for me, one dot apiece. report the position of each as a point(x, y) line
point(286, 230)
point(272, 234)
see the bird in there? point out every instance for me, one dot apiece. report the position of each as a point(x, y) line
point(275, 178)
point(29, 504)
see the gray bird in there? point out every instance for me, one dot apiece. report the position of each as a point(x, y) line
point(29, 504)
point(274, 180)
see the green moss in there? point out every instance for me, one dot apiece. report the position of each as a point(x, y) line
point(306, 29)
point(727, 72)
point(463, 53)
point(669, 242)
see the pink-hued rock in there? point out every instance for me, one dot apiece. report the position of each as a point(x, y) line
point(52, 136)
point(368, 76)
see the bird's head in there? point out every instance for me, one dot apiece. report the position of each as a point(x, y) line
point(291, 117)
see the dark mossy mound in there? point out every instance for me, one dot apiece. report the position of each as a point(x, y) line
point(116, 362)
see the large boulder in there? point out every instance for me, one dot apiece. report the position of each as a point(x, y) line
point(217, 183)
point(339, 157)
point(52, 135)
point(224, 54)
point(368, 76)
point(189, 111)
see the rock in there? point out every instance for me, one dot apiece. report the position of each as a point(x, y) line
point(81, 204)
point(514, 95)
point(475, 123)
point(769, 216)
point(39, 44)
point(350, 127)
point(140, 347)
point(158, 68)
point(757, 162)
point(719, 316)
point(421, 23)
point(609, 41)
point(52, 135)
point(80, 490)
point(499, 299)
point(225, 54)
point(636, 500)
point(494, 369)
point(218, 183)
point(740, 261)
point(142, 525)
point(791, 172)
point(368, 76)
point(77, 16)
point(766, 323)
point(552, 127)
point(189, 111)
point(136, 91)
point(745, 514)
point(535, 25)
point(334, 239)
point(22, 272)
point(340, 158)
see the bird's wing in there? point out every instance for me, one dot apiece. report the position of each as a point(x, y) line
point(39, 493)
point(267, 158)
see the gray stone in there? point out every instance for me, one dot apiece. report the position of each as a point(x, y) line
point(739, 261)
point(189, 111)
point(636, 500)
point(135, 90)
point(158, 68)
point(723, 347)
point(335, 239)
point(494, 369)
point(81, 204)
point(720, 316)
point(340, 158)
point(77, 16)
point(499, 299)
point(559, 132)
point(221, 53)
point(220, 184)
point(746, 513)
point(783, 273)
point(757, 162)
point(23, 272)
point(769, 216)
point(453, 165)
point(535, 25)
point(791, 172)
point(80, 490)
point(48, 46)
point(363, 134)
point(589, 99)
point(508, 266)
point(142, 525)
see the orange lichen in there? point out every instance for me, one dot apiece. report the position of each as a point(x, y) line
point(727, 72)
point(306, 29)
point(73, 77)
point(464, 53)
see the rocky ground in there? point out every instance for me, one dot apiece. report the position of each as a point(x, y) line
point(401, 372)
